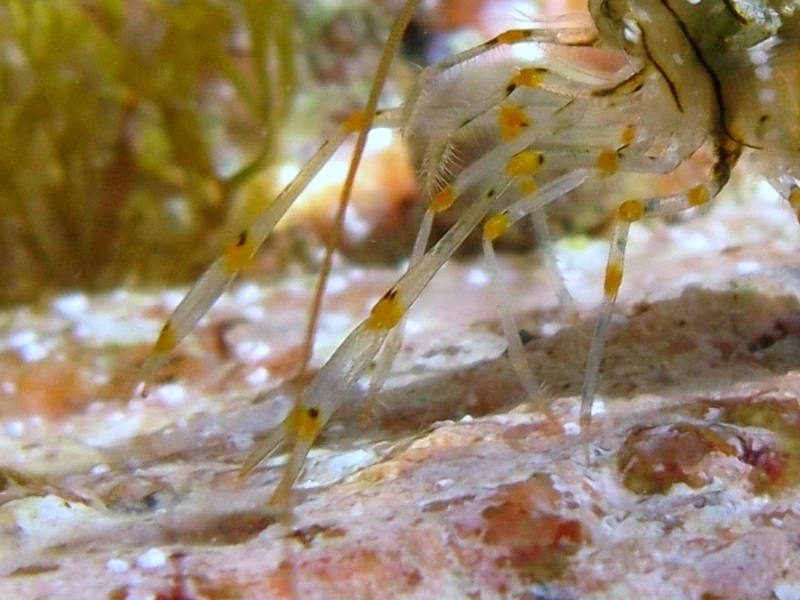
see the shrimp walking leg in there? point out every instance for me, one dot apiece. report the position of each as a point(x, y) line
point(727, 152)
point(337, 379)
point(640, 90)
point(216, 279)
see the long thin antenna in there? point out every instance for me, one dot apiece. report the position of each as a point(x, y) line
point(389, 52)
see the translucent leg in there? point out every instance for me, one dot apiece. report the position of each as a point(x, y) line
point(584, 36)
point(544, 241)
point(524, 166)
point(336, 381)
point(391, 347)
point(727, 153)
point(516, 352)
point(213, 282)
point(369, 114)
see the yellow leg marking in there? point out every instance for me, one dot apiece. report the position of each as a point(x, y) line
point(523, 163)
point(513, 121)
point(510, 37)
point(495, 226)
point(530, 78)
point(166, 340)
point(698, 195)
point(628, 134)
point(528, 185)
point(630, 210)
point(607, 161)
point(165, 343)
point(387, 312)
point(613, 280)
point(794, 201)
point(355, 121)
point(304, 423)
point(238, 252)
point(443, 199)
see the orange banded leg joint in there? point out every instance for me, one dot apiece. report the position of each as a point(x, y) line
point(627, 213)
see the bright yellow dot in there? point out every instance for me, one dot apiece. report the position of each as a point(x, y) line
point(608, 161)
point(630, 210)
point(526, 162)
point(495, 226)
point(387, 312)
point(308, 425)
point(303, 423)
point(513, 121)
point(238, 252)
point(698, 195)
point(613, 280)
point(530, 78)
point(443, 199)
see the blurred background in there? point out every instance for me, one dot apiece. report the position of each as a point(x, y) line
point(138, 135)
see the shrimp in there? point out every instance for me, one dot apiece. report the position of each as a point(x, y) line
point(643, 87)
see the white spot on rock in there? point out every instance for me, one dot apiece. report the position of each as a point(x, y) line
point(151, 560)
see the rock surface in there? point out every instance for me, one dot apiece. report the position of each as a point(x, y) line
point(461, 488)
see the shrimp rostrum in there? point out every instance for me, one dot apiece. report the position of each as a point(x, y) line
point(641, 89)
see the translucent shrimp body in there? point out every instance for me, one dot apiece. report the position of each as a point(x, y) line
point(679, 76)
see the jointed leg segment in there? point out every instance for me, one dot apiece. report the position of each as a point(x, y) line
point(528, 144)
point(547, 131)
point(216, 279)
point(727, 153)
point(336, 381)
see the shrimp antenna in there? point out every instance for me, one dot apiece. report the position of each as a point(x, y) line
point(367, 117)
